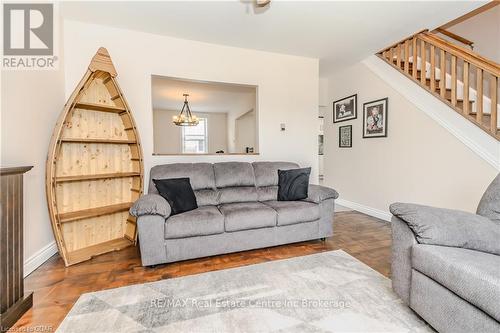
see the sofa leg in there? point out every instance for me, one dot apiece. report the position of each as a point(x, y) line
point(323, 239)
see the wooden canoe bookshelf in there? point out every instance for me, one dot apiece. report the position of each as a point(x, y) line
point(94, 167)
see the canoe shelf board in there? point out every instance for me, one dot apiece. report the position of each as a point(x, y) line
point(97, 176)
point(89, 140)
point(93, 212)
point(100, 107)
point(87, 253)
point(94, 169)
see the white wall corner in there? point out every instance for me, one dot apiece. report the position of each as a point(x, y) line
point(41, 256)
point(469, 134)
point(380, 214)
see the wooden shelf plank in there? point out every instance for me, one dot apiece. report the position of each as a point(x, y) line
point(96, 176)
point(99, 107)
point(93, 212)
point(86, 140)
point(87, 253)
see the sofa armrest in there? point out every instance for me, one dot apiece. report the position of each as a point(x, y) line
point(403, 240)
point(151, 231)
point(318, 193)
point(151, 204)
point(446, 227)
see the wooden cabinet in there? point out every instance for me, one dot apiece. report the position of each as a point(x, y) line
point(14, 302)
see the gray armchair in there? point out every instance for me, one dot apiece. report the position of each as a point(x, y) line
point(446, 263)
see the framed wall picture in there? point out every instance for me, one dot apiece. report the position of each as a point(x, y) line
point(375, 118)
point(345, 109)
point(345, 136)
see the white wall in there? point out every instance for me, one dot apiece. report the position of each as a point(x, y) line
point(484, 30)
point(31, 103)
point(419, 161)
point(245, 131)
point(287, 85)
point(167, 136)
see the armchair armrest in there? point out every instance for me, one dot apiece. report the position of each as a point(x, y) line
point(318, 193)
point(446, 227)
point(151, 204)
point(403, 240)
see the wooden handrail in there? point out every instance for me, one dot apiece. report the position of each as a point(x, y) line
point(471, 14)
point(402, 40)
point(456, 37)
point(461, 52)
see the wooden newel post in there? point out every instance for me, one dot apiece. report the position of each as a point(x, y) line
point(14, 302)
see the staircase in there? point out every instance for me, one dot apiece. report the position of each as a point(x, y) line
point(465, 81)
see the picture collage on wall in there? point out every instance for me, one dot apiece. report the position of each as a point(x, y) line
point(374, 118)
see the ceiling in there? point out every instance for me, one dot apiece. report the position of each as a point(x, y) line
point(338, 33)
point(167, 94)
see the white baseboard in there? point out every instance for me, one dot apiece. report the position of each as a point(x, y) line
point(380, 214)
point(39, 258)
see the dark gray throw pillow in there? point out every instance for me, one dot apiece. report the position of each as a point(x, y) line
point(293, 184)
point(178, 193)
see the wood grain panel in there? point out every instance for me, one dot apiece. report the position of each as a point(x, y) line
point(13, 301)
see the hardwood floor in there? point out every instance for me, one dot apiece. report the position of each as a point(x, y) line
point(56, 288)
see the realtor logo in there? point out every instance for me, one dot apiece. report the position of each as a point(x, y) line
point(28, 36)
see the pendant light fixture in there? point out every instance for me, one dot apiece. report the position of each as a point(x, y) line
point(185, 118)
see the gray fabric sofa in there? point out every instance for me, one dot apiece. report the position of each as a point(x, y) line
point(237, 210)
point(446, 263)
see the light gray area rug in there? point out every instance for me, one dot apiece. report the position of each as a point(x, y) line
point(324, 292)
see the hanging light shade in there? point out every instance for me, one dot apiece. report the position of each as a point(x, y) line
point(185, 118)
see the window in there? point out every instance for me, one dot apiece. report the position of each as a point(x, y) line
point(194, 138)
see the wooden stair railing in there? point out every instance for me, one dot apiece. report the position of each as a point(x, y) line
point(436, 64)
point(456, 37)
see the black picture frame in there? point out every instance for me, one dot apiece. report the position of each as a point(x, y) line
point(349, 130)
point(381, 130)
point(346, 101)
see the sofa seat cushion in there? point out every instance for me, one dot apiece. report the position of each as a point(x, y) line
point(206, 220)
point(472, 275)
point(247, 215)
point(292, 212)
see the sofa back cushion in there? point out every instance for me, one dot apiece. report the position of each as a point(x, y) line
point(266, 173)
point(225, 182)
point(232, 174)
point(489, 206)
point(267, 193)
point(201, 175)
point(238, 194)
